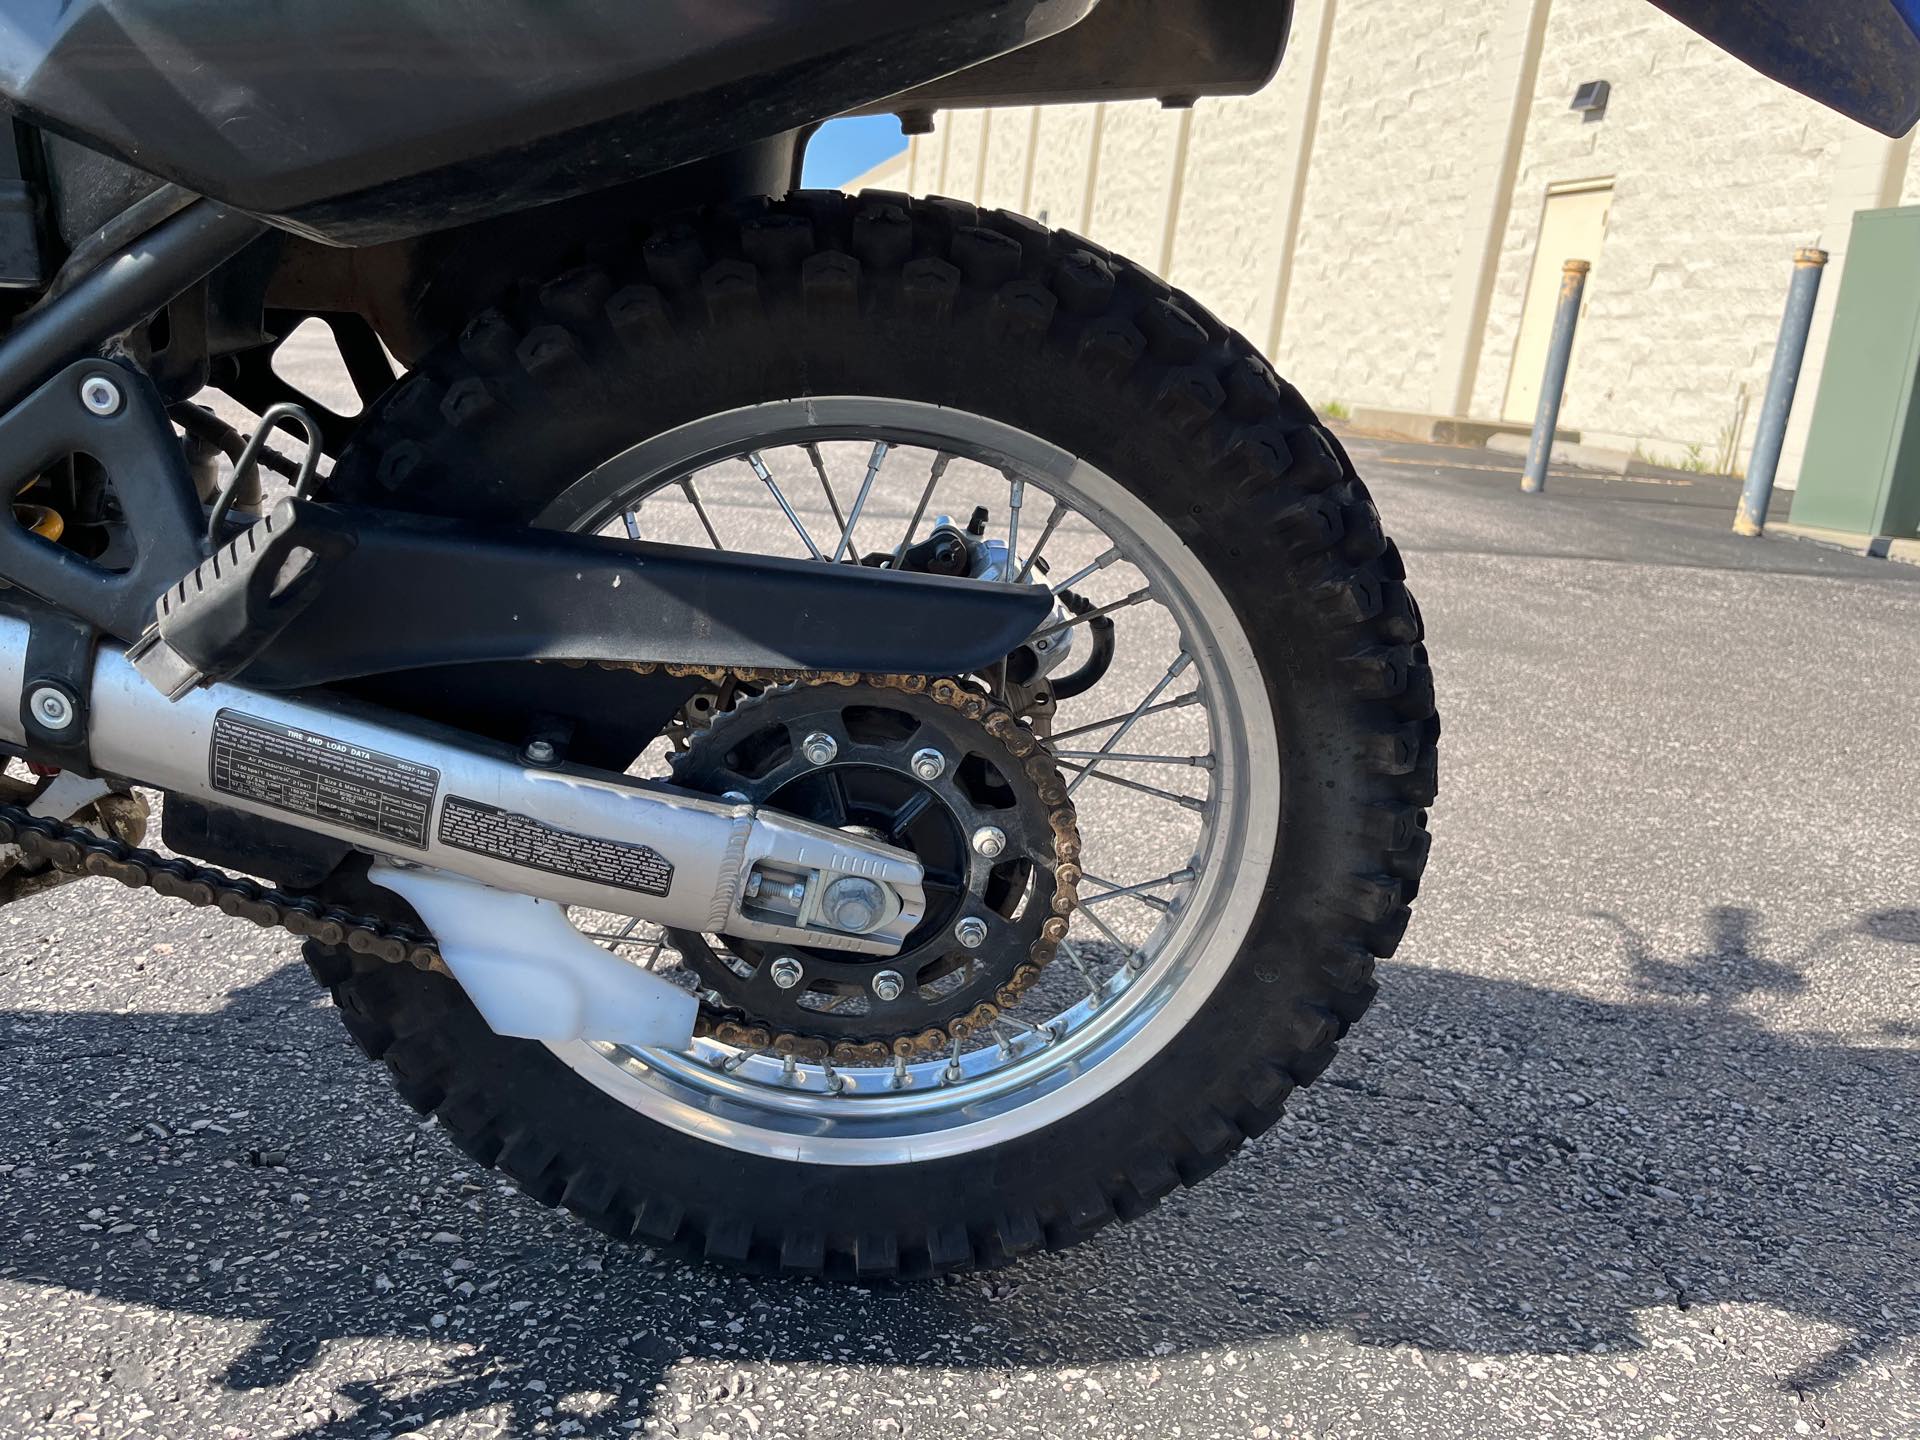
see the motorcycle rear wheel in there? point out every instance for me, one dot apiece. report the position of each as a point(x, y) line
point(1037, 357)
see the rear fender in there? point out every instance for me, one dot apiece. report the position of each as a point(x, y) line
point(1859, 56)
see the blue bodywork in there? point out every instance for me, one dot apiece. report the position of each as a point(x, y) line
point(1862, 57)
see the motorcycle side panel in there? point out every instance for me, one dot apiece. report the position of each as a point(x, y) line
point(367, 120)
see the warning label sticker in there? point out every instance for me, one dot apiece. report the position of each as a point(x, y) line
point(305, 773)
point(522, 840)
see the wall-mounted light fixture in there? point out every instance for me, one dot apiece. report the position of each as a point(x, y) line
point(1591, 98)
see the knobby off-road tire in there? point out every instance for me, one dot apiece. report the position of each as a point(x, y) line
point(933, 300)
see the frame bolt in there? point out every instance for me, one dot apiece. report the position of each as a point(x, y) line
point(786, 972)
point(819, 748)
point(52, 708)
point(100, 395)
point(990, 841)
point(540, 752)
point(854, 903)
point(971, 932)
point(887, 985)
point(929, 764)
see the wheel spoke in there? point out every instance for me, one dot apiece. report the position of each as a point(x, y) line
point(1095, 992)
point(1016, 495)
point(706, 523)
point(1099, 563)
point(820, 469)
point(1137, 891)
point(759, 467)
point(1174, 672)
point(1192, 697)
point(1087, 772)
point(633, 523)
point(874, 462)
point(939, 467)
point(1110, 757)
point(1145, 592)
point(1046, 534)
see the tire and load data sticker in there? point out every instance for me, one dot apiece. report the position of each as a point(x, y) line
point(323, 778)
point(522, 840)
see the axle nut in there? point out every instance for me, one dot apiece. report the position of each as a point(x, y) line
point(786, 972)
point(854, 903)
point(971, 932)
point(819, 748)
point(888, 985)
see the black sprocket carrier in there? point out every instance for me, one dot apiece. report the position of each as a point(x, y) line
point(758, 750)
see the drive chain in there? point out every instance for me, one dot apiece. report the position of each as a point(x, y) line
point(77, 850)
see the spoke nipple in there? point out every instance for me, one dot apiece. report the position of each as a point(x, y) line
point(990, 841)
point(929, 764)
point(786, 972)
point(971, 932)
point(819, 748)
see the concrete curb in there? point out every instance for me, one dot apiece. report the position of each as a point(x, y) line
point(1857, 542)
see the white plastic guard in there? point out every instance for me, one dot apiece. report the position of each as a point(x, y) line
point(531, 974)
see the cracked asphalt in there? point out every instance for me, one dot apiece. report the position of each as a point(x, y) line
point(1625, 1149)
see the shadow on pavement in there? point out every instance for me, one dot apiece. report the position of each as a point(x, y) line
point(1493, 1168)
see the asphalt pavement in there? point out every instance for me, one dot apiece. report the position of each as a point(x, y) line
point(1626, 1148)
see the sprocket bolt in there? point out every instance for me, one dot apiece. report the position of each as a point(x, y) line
point(929, 764)
point(819, 748)
point(888, 985)
point(971, 932)
point(990, 841)
point(786, 972)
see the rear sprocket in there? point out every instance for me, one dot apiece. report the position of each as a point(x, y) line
point(940, 770)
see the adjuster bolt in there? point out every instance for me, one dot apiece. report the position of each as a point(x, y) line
point(100, 395)
point(786, 972)
point(971, 932)
point(819, 748)
point(929, 764)
point(990, 841)
point(888, 985)
point(51, 708)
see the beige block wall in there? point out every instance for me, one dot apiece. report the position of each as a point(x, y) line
point(1719, 175)
point(1373, 266)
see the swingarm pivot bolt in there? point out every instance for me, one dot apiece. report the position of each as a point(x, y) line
point(971, 932)
point(786, 972)
point(888, 985)
point(100, 395)
point(929, 764)
point(819, 748)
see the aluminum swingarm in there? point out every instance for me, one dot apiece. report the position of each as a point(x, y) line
point(488, 846)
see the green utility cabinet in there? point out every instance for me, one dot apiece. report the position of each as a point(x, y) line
point(1862, 466)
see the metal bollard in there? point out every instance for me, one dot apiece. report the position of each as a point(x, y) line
point(1573, 284)
point(1788, 352)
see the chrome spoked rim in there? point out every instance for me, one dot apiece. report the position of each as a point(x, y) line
point(1153, 935)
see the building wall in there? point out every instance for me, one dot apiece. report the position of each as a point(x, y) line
point(1356, 219)
point(1719, 174)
